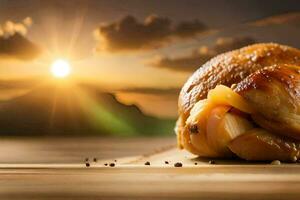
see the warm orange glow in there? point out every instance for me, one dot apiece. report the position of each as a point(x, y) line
point(60, 68)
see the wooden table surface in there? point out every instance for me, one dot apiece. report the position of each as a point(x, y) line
point(54, 169)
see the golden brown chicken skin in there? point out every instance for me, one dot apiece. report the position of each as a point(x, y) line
point(260, 145)
point(274, 93)
point(227, 69)
point(258, 118)
point(232, 67)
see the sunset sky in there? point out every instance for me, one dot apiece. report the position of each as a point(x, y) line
point(143, 51)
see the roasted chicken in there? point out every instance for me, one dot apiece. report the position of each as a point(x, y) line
point(243, 103)
point(274, 93)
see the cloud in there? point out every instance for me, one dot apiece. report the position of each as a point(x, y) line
point(12, 84)
point(14, 44)
point(285, 18)
point(189, 28)
point(185, 63)
point(128, 34)
point(161, 102)
point(224, 44)
point(11, 88)
point(152, 91)
point(199, 56)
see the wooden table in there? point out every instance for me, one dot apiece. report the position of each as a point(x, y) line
point(131, 179)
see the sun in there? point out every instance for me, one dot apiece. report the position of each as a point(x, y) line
point(60, 68)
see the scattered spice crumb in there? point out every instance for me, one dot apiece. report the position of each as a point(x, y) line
point(211, 162)
point(178, 164)
point(95, 159)
point(194, 129)
point(275, 162)
point(87, 159)
point(115, 160)
point(105, 164)
point(166, 162)
point(147, 163)
point(87, 164)
point(112, 164)
point(196, 163)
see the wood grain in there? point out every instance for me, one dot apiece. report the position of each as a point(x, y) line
point(131, 179)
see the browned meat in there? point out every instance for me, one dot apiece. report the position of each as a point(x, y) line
point(266, 79)
point(232, 67)
point(274, 92)
point(259, 144)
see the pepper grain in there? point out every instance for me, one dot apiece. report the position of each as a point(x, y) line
point(178, 164)
point(112, 164)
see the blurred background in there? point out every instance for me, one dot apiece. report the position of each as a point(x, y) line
point(115, 68)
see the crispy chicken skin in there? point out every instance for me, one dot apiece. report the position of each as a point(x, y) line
point(227, 69)
point(258, 118)
point(259, 144)
point(274, 93)
point(232, 67)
